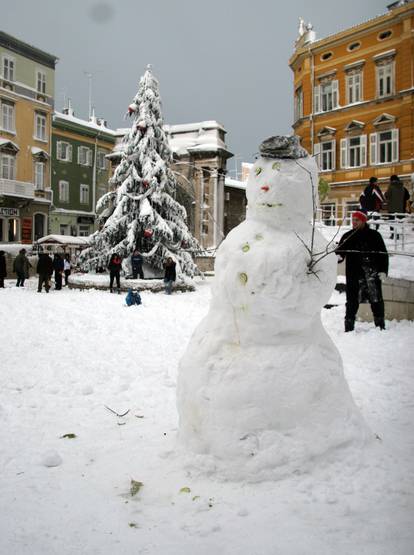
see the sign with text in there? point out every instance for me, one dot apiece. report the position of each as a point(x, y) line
point(9, 211)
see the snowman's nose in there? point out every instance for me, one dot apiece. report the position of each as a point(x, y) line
point(265, 188)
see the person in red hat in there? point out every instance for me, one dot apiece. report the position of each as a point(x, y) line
point(366, 258)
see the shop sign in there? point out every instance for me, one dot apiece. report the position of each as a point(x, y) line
point(9, 211)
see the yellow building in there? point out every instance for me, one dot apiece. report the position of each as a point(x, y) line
point(354, 104)
point(26, 107)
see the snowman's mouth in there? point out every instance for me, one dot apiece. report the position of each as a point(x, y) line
point(270, 205)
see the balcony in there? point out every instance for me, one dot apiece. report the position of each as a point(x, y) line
point(23, 189)
point(13, 188)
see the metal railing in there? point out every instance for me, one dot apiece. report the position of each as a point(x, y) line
point(396, 229)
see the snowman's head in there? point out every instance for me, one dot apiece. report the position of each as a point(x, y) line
point(279, 191)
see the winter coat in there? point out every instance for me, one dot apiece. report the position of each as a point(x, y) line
point(371, 252)
point(136, 261)
point(371, 199)
point(21, 265)
point(170, 274)
point(3, 271)
point(44, 265)
point(58, 264)
point(133, 297)
point(115, 265)
point(397, 197)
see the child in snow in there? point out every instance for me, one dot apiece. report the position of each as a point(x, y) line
point(133, 297)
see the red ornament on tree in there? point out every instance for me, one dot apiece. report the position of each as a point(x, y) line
point(132, 108)
point(148, 233)
point(145, 183)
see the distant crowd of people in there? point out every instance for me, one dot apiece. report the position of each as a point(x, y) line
point(60, 267)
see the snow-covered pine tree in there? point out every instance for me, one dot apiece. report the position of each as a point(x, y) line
point(142, 211)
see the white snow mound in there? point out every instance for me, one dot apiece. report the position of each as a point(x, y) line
point(261, 391)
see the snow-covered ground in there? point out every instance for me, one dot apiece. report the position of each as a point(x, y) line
point(67, 355)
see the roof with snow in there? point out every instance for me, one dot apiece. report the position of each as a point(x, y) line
point(94, 125)
point(64, 240)
point(235, 183)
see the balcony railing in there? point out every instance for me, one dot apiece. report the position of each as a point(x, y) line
point(13, 188)
point(23, 189)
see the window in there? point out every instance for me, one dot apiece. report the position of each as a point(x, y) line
point(39, 175)
point(8, 166)
point(354, 152)
point(84, 230)
point(326, 96)
point(40, 127)
point(385, 79)
point(64, 151)
point(41, 82)
point(64, 229)
point(8, 69)
point(63, 191)
point(328, 210)
point(353, 46)
point(328, 156)
point(354, 87)
point(349, 207)
point(101, 161)
point(384, 35)
point(384, 147)
point(84, 194)
point(326, 56)
point(298, 108)
point(84, 156)
point(7, 116)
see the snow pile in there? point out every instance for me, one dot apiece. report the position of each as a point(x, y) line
point(66, 355)
point(261, 391)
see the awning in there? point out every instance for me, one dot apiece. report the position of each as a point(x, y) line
point(39, 152)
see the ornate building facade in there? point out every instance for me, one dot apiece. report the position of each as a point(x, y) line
point(354, 104)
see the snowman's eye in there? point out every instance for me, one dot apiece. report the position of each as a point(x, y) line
point(258, 170)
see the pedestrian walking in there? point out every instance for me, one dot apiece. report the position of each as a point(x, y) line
point(45, 270)
point(136, 263)
point(372, 199)
point(366, 258)
point(67, 267)
point(114, 267)
point(398, 198)
point(170, 275)
point(3, 268)
point(21, 267)
point(58, 267)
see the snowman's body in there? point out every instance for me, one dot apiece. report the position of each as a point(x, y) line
point(261, 387)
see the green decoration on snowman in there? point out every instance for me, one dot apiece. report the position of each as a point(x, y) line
point(258, 170)
point(276, 166)
point(246, 247)
point(243, 278)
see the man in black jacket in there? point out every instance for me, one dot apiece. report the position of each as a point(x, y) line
point(45, 270)
point(366, 257)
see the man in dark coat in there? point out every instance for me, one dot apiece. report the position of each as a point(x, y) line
point(3, 271)
point(398, 198)
point(366, 257)
point(21, 267)
point(58, 266)
point(372, 198)
point(136, 263)
point(45, 270)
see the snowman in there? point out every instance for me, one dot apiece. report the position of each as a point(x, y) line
point(261, 391)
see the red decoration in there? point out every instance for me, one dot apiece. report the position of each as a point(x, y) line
point(148, 232)
point(142, 125)
point(145, 183)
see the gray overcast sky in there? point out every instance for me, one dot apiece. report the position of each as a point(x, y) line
point(223, 60)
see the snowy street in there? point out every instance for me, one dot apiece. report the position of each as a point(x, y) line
point(68, 355)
